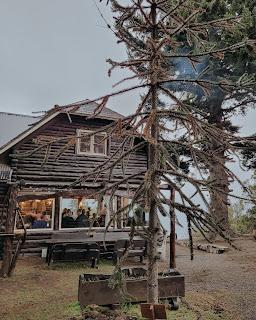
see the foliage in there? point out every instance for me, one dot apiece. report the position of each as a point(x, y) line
point(244, 223)
point(248, 153)
point(243, 220)
point(217, 104)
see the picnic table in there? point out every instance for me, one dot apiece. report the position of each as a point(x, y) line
point(89, 243)
point(57, 250)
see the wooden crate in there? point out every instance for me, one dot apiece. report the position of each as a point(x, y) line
point(94, 289)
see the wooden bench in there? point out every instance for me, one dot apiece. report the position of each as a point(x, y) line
point(67, 247)
point(138, 248)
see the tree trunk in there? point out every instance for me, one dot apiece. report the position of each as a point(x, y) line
point(7, 257)
point(218, 176)
point(9, 229)
point(153, 218)
point(219, 199)
point(152, 284)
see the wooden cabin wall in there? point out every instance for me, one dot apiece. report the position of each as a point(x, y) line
point(70, 165)
point(3, 208)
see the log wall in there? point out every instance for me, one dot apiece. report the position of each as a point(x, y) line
point(30, 165)
point(69, 166)
point(3, 205)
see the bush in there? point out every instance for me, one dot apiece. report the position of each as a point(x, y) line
point(243, 222)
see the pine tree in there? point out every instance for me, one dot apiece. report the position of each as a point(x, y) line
point(154, 32)
point(220, 105)
point(157, 35)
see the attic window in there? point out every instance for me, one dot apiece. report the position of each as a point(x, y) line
point(91, 144)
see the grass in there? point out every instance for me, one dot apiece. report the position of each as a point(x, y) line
point(39, 292)
point(185, 312)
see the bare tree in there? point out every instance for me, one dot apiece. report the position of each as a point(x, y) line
point(150, 30)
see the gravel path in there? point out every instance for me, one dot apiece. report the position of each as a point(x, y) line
point(230, 276)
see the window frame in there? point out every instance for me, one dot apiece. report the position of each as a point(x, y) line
point(78, 228)
point(92, 143)
point(40, 229)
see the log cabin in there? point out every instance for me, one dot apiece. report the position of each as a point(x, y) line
point(45, 156)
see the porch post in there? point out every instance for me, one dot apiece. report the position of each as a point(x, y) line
point(9, 229)
point(172, 231)
point(119, 217)
point(56, 223)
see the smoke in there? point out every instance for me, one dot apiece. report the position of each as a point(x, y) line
point(201, 69)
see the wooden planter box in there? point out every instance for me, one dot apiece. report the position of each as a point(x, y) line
point(94, 289)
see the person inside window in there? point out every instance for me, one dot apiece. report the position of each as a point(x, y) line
point(41, 221)
point(29, 219)
point(102, 217)
point(67, 220)
point(95, 222)
point(139, 216)
point(82, 220)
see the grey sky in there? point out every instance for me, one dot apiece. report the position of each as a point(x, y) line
point(54, 52)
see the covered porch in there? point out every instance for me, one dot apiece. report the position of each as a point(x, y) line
point(69, 212)
point(76, 210)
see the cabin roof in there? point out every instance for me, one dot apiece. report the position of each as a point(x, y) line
point(12, 124)
point(16, 127)
point(88, 109)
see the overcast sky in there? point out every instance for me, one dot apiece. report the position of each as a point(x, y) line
point(54, 52)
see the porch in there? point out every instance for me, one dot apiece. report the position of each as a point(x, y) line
point(46, 213)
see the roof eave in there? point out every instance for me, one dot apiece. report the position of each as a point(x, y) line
point(26, 133)
point(42, 122)
point(95, 117)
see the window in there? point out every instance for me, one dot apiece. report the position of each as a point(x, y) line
point(136, 215)
point(37, 214)
point(82, 213)
point(91, 144)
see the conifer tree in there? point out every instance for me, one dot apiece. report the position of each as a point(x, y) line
point(155, 33)
point(220, 105)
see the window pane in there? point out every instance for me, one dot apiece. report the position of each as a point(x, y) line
point(99, 138)
point(81, 213)
point(90, 207)
point(99, 149)
point(85, 144)
point(37, 214)
point(69, 208)
point(100, 143)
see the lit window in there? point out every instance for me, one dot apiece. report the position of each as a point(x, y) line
point(36, 214)
point(91, 144)
point(82, 213)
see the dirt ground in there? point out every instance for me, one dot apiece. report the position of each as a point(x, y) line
point(227, 280)
point(217, 287)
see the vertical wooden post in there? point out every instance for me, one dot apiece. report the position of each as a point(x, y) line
point(172, 231)
point(9, 229)
point(57, 218)
point(119, 217)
